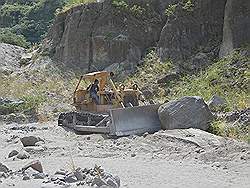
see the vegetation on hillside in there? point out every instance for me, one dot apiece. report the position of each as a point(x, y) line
point(38, 90)
point(7, 36)
point(30, 19)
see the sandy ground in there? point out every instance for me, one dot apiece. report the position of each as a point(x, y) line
point(177, 158)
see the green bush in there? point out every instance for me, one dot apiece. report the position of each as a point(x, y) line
point(30, 103)
point(132, 8)
point(71, 3)
point(6, 36)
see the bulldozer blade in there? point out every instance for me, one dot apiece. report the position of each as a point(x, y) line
point(134, 120)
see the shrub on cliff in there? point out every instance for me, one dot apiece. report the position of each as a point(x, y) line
point(6, 36)
point(71, 3)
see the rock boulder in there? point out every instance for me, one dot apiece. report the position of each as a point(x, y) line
point(35, 165)
point(216, 102)
point(30, 140)
point(187, 112)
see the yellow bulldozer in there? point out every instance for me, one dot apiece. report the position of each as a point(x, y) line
point(117, 111)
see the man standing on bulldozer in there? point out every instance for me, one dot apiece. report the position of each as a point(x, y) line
point(93, 89)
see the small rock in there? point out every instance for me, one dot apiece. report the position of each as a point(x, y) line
point(3, 175)
point(35, 165)
point(168, 78)
point(112, 183)
point(23, 155)
point(225, 168)
point(12, 153)
point(216, 102)
point(80, 183)
point(86, 170)
point(133, 154)
point(98, 182)
point(39, 176)
point(4, 168)
point(70, 179)
point(30, 140)
point(80, 176)
point(200, 151)
point(26, 177)
point(216, 164)
point(34, 149)
point(243, 157)
point(88, 138)
point(145, 134)
point(60, 172)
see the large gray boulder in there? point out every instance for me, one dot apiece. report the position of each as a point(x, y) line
point(187, 112)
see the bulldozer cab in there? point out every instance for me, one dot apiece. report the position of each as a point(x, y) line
point(82, 98)
point(109, 95)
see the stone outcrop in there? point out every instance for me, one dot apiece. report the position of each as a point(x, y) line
point(236, 31)
point(94, 36)
point(190, 31)
point(108, 34)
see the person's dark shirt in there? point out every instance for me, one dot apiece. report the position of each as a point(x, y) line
point(94, 88)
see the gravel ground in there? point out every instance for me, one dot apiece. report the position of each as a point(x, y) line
point(176, 158)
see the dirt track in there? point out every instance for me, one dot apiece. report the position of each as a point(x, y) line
point(178, 158)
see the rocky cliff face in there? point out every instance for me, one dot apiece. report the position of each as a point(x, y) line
point(193, 35)
point(236, 31)
point(95, 36)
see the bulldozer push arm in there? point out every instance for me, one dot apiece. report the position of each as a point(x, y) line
point(117, 95)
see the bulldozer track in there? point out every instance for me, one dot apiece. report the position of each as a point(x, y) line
point(72, 119)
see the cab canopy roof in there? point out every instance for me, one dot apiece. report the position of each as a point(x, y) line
point(96, 75)
point(101, 76)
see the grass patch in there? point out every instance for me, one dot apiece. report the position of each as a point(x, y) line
point(37, 90)
point(231, 130)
